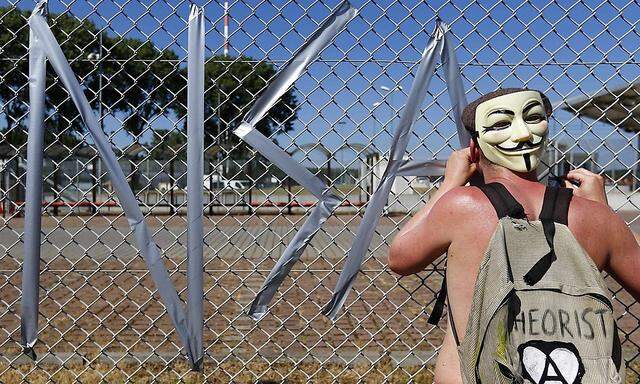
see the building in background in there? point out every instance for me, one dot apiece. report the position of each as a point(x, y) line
point(617, 107)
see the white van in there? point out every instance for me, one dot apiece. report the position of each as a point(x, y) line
point(216, 181)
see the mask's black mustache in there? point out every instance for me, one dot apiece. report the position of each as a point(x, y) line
point(521, 145)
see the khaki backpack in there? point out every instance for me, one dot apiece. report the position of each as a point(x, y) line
point(540, 313)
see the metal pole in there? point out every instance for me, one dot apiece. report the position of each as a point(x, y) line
point(210, 187)
point(249, 170)
point(100, 68)
point(3, 186)
point(370, 189)
point(288, 195)
point(18, 184)
point(76, 181)
point(226, 28)
point(56, 189)
point(98, 179)
point(360, 182)
point(222, 136)
point(94, 189)
point(99, 174)
point(171, 185)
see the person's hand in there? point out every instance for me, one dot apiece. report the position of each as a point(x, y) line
point(591, 185)
point(459, 168)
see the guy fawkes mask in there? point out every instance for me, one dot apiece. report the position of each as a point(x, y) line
point(512, 129)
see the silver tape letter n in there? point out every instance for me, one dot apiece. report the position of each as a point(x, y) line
point(43, 44)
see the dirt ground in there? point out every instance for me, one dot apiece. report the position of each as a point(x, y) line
point(101, 322)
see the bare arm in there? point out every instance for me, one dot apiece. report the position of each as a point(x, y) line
point(623, 258)
point(424, 238)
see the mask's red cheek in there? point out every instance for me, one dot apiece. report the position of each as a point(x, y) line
point(540, 128)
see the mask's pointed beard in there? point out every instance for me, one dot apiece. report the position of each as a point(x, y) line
point(527, 161)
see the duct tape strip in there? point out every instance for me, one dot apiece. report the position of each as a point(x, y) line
point(195, 179)
point(247, 132)
point(46, 42)
point(33, 194)
point(436, 48)
point(307, 54)
point(428, 168)
point(455, 88)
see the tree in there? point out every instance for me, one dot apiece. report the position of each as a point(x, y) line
point(138, 79)
point(134, 77)
point(168, 144)
point(169, 147)
point(76, 38)
point(14, 34)
point(139, 82)
point(233, 83)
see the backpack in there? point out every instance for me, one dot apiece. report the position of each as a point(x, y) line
point(540, 311)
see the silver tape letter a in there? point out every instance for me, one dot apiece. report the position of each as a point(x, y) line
point(247, 132)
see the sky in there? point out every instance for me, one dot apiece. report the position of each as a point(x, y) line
point(563, 48)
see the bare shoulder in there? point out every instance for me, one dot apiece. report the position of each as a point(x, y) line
point(465, 198)
point(596, 227)
point(592, 213)
point(465, 202)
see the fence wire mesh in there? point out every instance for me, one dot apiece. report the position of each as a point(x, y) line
point(100, 319)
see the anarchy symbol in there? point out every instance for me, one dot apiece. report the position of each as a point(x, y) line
point(551, 362)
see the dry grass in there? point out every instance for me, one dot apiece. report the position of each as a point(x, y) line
point(227, 372)
point(224, 373)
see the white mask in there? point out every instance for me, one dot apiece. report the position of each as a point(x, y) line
point(512, 130)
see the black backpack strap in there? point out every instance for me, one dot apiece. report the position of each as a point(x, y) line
point(453, 325)
point(505, 205)
point(503, 202)
point(555, 209)
point(438, 308)
point(555, 206)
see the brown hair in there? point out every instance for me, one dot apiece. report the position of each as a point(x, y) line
point(469, 113)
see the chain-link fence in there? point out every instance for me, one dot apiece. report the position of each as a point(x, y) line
point(100, 319)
